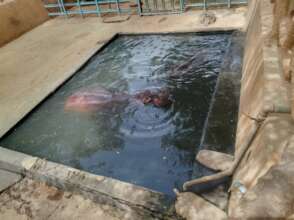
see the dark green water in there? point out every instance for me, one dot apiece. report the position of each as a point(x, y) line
point(141, 144)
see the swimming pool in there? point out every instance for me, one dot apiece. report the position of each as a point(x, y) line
point(148, 145)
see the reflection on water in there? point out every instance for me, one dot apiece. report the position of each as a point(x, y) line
point(149, 146)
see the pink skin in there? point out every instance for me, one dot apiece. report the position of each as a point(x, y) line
point(92, 99)
point(85, 103)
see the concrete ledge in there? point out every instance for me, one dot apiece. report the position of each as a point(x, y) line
point(98, 188)
point(7, 179)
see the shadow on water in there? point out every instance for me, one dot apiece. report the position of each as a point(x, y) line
point(142, 144)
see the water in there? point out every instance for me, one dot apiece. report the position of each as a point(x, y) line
point(142, 144)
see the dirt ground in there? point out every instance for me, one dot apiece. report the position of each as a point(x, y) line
point(29, 199)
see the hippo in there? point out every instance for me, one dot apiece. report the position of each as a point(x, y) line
point(96, 98)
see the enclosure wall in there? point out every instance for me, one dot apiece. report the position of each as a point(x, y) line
point(18, 17)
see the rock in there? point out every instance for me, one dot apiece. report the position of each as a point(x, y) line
point(218, 196)
point(207, 18)
point(192, 207)
point(272, 196)
point(215, 160)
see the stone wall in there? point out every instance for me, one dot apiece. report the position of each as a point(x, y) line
point(263, 181)
point(18, 17)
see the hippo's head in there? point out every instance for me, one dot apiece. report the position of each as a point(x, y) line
point(162, 99)
point(145, 96)
point(159, 98)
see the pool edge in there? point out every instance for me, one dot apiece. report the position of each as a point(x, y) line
point(97, 188)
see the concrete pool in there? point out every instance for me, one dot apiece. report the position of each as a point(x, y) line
point(142, 144)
